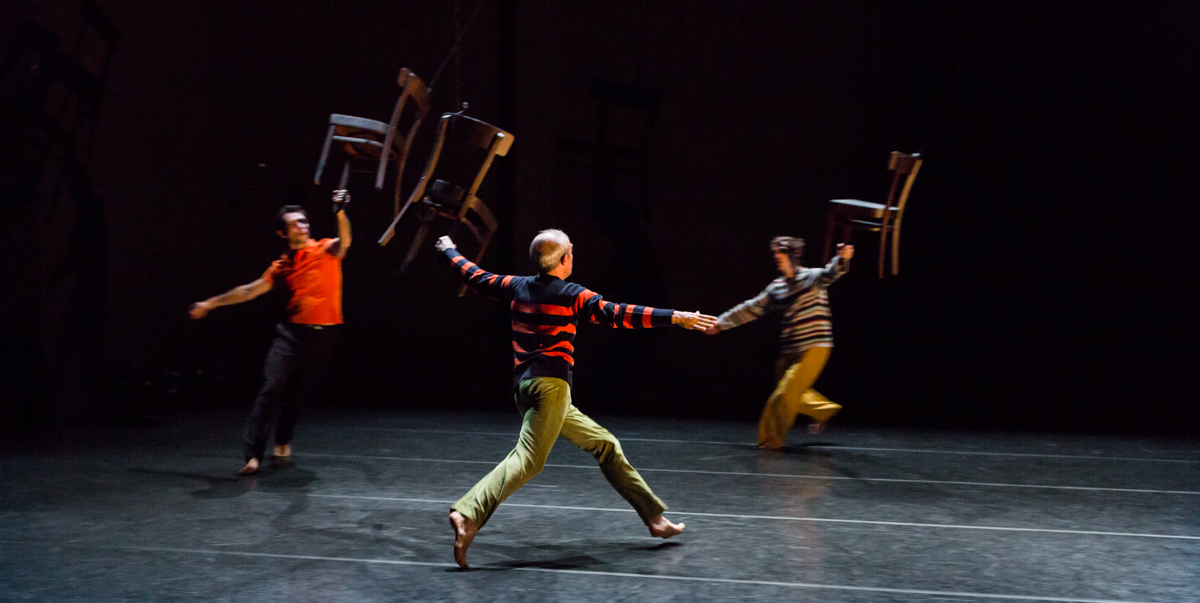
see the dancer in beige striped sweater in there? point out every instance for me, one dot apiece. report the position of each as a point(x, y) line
point(805, 339)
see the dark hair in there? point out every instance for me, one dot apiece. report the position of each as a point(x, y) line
point(280, 223)
point(792, 246)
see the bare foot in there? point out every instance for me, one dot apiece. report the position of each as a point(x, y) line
point(767, 446)
point(251, 467)
point(661, 527)
point(282, 459)
point(464, 533)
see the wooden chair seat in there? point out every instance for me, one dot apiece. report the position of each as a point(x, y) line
point(853, 208)
point(363, 137)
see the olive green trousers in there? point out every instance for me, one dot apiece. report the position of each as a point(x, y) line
point(548, 413)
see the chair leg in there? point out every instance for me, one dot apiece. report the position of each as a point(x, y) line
point(324, 155)
point(883, 231)
point(345, 175)
point(381, 171)
point(830, 226)
point(896, 250)
point(483, 245)
point(418, 240)
point(396, 192)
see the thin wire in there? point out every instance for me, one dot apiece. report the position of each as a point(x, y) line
point(962, 61)
point(457, 41)
point(458, 55)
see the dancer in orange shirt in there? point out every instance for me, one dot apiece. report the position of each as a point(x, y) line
point(304, 343)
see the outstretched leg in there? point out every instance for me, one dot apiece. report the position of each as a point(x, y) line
point(280, 368)
point(589, 436)
point(544, 400)
point(792, 396)
point(314, 359)
point(464, 532)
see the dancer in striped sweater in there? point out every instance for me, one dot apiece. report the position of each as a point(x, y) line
point(545, 311)
point(805, 339)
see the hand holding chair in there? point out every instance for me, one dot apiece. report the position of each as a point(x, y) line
point(379, 141)
point(885, 219)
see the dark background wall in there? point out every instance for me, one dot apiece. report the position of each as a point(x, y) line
point(1047, 279)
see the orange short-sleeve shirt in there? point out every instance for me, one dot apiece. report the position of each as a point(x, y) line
point(314, 277)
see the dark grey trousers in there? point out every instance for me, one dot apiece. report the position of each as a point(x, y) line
point(296, 361)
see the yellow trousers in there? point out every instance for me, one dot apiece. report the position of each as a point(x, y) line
point(794, 395)
point(548, 413)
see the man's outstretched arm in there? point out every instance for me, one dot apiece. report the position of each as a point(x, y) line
point(747, 311)
point(235, 295)
point(495, 286)
point(630, 316)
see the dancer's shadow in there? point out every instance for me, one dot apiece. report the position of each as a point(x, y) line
point(662, 546)
point(562, 557)
point(234, 486)
point(809, 449)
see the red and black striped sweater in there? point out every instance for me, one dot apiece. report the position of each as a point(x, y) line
point(545, 311)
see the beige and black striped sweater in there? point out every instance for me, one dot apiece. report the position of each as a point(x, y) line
point(804, 302)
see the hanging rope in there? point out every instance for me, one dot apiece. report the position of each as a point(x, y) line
point(461, 33)
point(937, 114)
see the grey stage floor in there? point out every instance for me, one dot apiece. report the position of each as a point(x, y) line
point(155, 513)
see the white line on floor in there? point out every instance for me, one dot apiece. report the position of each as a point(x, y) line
point(869, 589)
point(783, 518)
point(784, 475)
point(512, 434)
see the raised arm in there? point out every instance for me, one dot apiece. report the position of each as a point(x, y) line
point(341, 244)
point(235, 295)
point(629, 316)
point(839, 265)
point(495, 286)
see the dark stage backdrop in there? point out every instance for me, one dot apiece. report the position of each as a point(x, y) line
point(1047, 276)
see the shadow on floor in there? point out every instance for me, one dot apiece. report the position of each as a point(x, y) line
point(236, 485)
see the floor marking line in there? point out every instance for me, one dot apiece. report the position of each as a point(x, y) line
point(578, 572)
point(727, 456)
point(821, 446)
point(783, 475)
point(785, 518)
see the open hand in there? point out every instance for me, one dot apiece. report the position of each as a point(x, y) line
point(845, 251)
point(443, 244)
point(693, 320)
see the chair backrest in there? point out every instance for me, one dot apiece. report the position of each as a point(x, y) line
point(411, 88)
point(901, 164)
point(459, 135)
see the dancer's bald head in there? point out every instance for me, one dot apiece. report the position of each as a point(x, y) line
point(548, 248)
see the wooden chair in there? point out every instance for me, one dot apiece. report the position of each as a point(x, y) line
point(885, 219)
point(379, 141)
point(436, 196)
